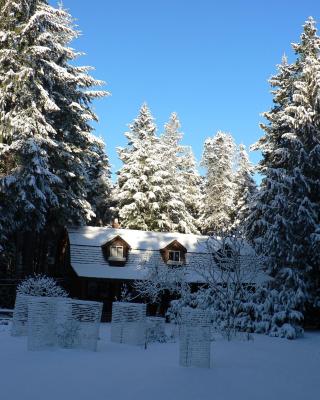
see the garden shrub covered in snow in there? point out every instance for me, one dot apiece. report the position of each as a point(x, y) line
point(156, 330)
point(41, 285)
point(264, 313)
point(34, 286)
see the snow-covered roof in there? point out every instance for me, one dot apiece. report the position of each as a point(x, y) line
point(138, 240)
point(104, 271)
point(87, 258)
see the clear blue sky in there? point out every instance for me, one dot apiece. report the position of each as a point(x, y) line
point(207, 60)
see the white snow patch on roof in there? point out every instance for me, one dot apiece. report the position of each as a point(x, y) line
point(87, 259)
point(139, 240)
point(101, 271)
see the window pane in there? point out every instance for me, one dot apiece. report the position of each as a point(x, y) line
point(116, 251)
point(174, 255)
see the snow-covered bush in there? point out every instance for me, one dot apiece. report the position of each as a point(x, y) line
point(174, 312)
point(68, 333)
point(160, 280)
point(156, 330)
point(229, 281)
point(272, 312)
point(227, 316)
point(237, 304)
point(41, 285)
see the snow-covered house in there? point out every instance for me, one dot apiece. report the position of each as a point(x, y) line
point(102, 259)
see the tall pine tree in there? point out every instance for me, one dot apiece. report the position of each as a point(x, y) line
point(45, 110)
point(158, 186)
point(192, 184)
point(100, 189)
point(218, 159)
point(286, 213)
point(181, 186)
point(140, 180)
point(244, 188)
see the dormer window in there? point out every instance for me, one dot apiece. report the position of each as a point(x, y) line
point(116, 251)
point(225, 257)
point(174, 254)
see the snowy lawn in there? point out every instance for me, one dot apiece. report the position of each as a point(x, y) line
point(266, 368)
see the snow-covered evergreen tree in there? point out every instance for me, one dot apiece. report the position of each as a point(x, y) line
point(181, 186)
point(191, 189)
point(45, 111)
point(140, 180)
point(267, 213)
point(26, 179)
point(100, 191)
point(218, 159)
point(286, 213)
point(244, 187)
point(158, 186)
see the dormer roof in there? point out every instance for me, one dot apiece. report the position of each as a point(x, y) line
point(117, 239)
point(176, 246)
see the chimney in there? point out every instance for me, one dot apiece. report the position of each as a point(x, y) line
point(115, 223)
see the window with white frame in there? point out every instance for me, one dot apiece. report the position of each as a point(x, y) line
point(116, 251)
point(174, 256)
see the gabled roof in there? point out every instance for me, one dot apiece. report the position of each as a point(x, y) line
point(177, 244)
point(138, 240)
point(114, 239)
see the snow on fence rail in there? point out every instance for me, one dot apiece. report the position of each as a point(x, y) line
point(6, 311)
point(128, 323)
point(6, 315)
point(195, 343)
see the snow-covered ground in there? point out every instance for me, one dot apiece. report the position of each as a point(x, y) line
point(265, 368)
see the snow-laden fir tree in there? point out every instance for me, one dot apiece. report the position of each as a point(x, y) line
point(268, 208)
point(244, 187)
point(45, 111)
point(286, 213)
point(141, 178)
point(218, 159)
point(25, 175)
point(181, 186)
point(192, 184)
point(6, 223)
point(99, 194)
point(26, 180)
